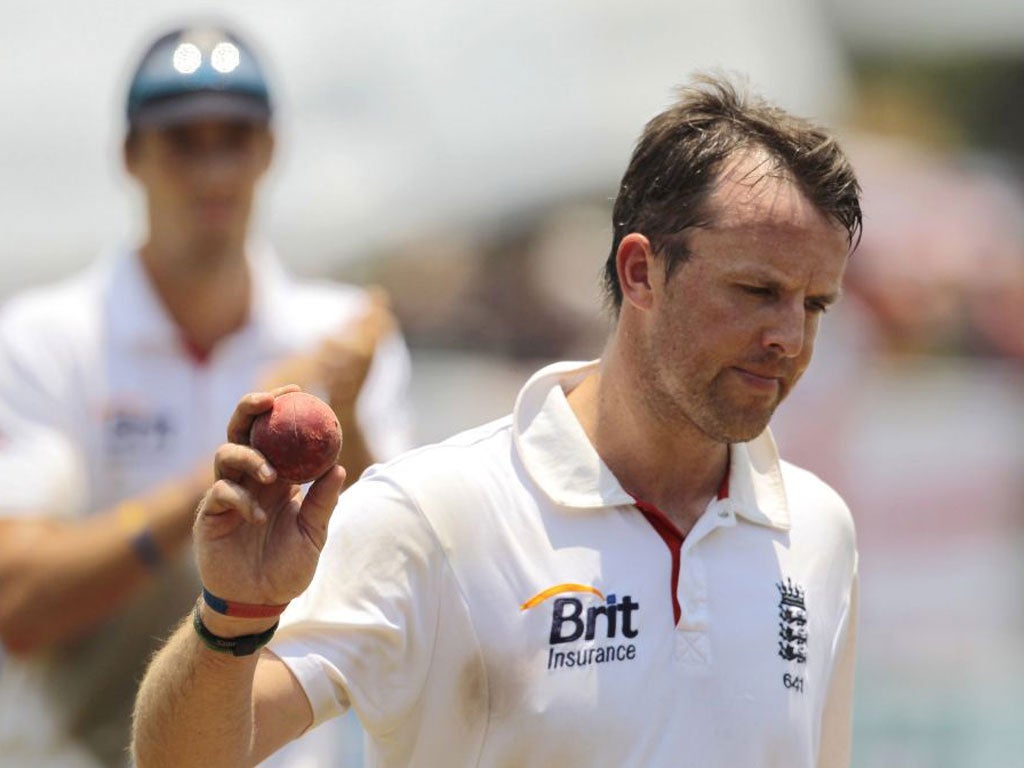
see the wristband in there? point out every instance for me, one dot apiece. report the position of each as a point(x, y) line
point(241, 610)
point(133, 519)
point(145, 548)
point(243, 645)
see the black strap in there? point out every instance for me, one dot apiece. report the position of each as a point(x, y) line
point(243, 645)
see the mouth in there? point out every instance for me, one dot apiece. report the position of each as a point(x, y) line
point(759, 381)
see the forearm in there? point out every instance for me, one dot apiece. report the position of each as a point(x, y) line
point(59, 578)
point(194, 707)
point(257, 542)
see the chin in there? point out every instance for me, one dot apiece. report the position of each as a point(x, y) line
point(737, 428)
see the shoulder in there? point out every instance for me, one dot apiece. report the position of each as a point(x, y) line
point(465, 459)
point(814, 504)
point(50, 470)
point(417, 495)
point(443, 481)
point(59, 321)
point(803, 486)
point(429, 505)
point(56, 307)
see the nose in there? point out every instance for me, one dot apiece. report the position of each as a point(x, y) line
point(787, 329)
point(216, 166)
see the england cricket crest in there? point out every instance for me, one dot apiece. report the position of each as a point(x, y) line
point(793, 624)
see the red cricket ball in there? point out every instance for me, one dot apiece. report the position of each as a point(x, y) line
point(300, 436)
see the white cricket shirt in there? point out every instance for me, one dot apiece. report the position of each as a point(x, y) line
point(100, 400)
point(499, 600)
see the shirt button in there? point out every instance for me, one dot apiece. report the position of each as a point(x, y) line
point(723, 513)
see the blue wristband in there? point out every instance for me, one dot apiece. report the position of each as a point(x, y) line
point(145, 548)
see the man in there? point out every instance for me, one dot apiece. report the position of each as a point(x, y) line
point(114, 388)
point(622, 572)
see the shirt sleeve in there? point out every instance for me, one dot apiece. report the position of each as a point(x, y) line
point(363, 633)
point(837, 718)
point(31, 379)
point(43, 472)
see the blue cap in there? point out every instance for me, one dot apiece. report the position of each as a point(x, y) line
point(198, 73)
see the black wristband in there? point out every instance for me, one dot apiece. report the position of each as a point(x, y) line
point(243, 645)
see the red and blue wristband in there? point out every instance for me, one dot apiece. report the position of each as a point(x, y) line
point(241, 610)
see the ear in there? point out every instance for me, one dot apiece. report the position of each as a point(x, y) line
point(129, 154)
point(634, 261)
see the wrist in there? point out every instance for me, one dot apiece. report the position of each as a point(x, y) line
point(241, 610)
point(232, 626)
point(235, 645)
point(134, 519)
point(230, 618)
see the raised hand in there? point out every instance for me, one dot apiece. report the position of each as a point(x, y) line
point(258, 538)
point(339, 364)
point(345, 358)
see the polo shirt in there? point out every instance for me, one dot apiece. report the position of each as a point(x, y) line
point(100, 400)
point(498, 599)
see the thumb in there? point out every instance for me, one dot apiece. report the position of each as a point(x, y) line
point(319, 503)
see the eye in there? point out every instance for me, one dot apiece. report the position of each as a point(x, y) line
point(817, 306)
point(759, 290)
point(180, 141)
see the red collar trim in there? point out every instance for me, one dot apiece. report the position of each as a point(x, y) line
point(196, 354)
point(673, 538)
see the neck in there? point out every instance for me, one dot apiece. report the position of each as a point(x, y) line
point(673, 466)
point(207, 295)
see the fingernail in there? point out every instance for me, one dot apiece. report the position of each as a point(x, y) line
point(266, 473)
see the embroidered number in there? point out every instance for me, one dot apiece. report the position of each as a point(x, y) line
point(793, 682)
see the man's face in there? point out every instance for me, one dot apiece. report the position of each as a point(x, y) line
point(200, 179)
point(732, 328)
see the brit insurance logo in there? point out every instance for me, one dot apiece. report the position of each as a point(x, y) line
point(587, 626)
point(132, 430)
point(792, 630)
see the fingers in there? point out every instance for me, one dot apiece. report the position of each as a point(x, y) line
point(319, 504)
point(228, 496)
point(248, 408)
point(235, 462)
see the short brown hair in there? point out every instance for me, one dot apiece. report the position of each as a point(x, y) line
point(681, 152)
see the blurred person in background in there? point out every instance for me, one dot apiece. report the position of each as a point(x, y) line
point(621, 573)
point(114, 388)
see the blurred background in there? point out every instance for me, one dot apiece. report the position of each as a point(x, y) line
point(464, 156)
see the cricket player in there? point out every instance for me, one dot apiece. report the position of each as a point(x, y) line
point(115, 385)
point(621, 573)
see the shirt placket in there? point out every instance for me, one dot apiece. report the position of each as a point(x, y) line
point(692, 645)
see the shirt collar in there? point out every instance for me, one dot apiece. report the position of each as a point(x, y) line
point(138, 318)
point(560, 458)
point(756, 489)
